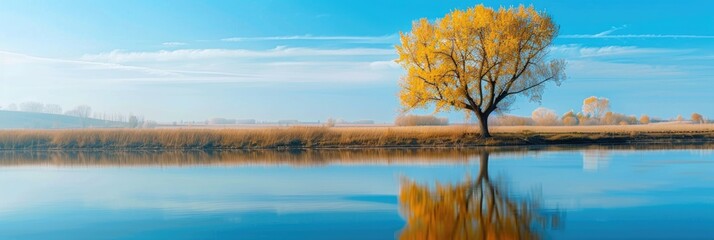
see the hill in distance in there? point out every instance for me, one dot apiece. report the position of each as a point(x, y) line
point(34, 120)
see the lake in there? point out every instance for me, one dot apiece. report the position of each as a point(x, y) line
point(625, 192)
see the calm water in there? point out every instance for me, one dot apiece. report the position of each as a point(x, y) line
point(577, 193)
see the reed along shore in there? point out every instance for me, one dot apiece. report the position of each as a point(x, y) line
point(350, 137)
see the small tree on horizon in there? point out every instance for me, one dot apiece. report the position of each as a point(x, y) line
point(569, 119)
point(697, 118)
point(596, 107)
point(478, 60)
point(644, 119)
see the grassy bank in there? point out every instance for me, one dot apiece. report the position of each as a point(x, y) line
point(352, 137)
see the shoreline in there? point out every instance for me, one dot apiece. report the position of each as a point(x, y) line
point(350, 138)
point(298, 157)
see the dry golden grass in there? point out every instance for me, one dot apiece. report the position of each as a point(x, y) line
point(647, 128)
point(348, 137)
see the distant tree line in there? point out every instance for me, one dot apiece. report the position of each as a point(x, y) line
point(420, 120)
point(595, 111)
point(83, 112)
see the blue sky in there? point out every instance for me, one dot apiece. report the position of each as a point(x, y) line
point(311, 60)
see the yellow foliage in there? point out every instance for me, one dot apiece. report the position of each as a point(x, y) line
point(473, 209)
point(478, 60)
point(645, 119)
point(697, 118)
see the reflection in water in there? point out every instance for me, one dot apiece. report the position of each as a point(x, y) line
point(240, 157)
point(475, 209)
point(595, 159)
point(593, 156)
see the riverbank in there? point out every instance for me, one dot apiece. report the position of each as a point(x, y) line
point(352, 137)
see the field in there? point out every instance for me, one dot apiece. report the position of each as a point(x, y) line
point(352, 137)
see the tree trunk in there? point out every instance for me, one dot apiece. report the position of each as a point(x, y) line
point(483, 124)
point(483, 169)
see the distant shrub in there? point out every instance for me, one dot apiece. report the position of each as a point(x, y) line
point(510, 120)
point(644, 119)
point(611, 118)
point(586, 120)
point(697, 118)
point(569, 119)
point(680, 118)
point(544, 117)
point(420, 120)
point(331, 122)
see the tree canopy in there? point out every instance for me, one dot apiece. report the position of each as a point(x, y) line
point(596, 107)
point(474, 209)
point(478, 60)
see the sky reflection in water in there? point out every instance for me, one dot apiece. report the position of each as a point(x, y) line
point(596, 192)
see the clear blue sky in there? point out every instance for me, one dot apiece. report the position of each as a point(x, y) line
point(310, 60)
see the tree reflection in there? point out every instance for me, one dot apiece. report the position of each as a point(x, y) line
point(475, 209)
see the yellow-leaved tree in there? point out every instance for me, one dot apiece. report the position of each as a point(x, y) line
point(478, 60)
point(474, 209)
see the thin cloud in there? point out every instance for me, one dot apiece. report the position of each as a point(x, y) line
point(590, 69)
point(578, 51)
point(168, 67)
point(19, 58)
point(613, 29)
point(638, 36)
point(380, 39)
point(192, 54)
point(608, 35)
point(174, 44)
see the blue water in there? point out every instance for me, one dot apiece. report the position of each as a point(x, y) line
point(599, 193)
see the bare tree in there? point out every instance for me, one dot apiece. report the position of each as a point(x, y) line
point(133, 121)
point(81, 111)
point(84, 111)
point(596, 107)
point(52, 108)
point(32, 107)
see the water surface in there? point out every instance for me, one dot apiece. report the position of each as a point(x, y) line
point(567, 193)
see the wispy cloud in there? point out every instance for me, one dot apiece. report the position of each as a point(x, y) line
point(602, 70)
point(608, 34)
point(203, 65)
point(611, 30)
point(579, 51)
point(638, 36)
point(377, 39)
point(24, 59)
point(174, 44)
point(188, 54)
